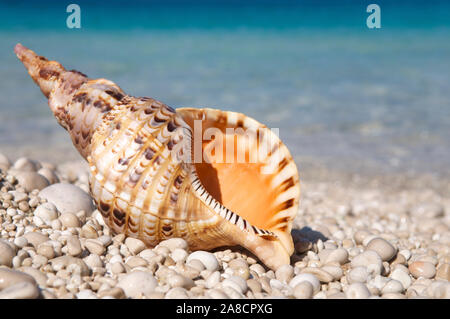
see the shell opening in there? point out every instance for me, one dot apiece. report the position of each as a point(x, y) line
point(232, 174)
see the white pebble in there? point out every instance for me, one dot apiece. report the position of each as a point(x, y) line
point(179, 254)
point(357, 291)
point(383, 248)
point(303, 290)
point(137, 283)
point(358, 274)
point(47, 212)
point(402, 276)
point(392, 286)
point(135, 246)
point(369, 259)
point(306, 277)
point(206, 258)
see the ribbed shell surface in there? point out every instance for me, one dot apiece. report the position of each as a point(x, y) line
point(138, 180)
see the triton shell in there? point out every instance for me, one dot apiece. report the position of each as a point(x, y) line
point(212, 177)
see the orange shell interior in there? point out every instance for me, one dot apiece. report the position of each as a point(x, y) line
point(238, 184)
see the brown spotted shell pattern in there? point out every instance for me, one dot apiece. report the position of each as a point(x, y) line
point(144, 172)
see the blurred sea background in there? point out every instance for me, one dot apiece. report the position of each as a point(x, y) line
point(345, 97)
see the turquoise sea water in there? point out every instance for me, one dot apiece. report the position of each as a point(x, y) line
point(343, 95)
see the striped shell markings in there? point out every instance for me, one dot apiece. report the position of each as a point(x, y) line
point(157, 173)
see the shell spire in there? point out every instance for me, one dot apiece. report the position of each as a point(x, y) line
point(212, 177)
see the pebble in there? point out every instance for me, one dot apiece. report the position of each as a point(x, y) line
point(137, 283)
point(402, 276)
point(174, 243)
point(358, 274)
point(6, 254)
point(427, 210)
point(206, 258)
point(86, 294)
point(357, 291)
point(45, 249)
point(47, 212)
point(135, 246)
point(254, 285)
point(285, 273)
point(369, 259)
point(321, 274)
point(69, 220)
point(36, 238)
point(74, 246)
point(49, 175)
point(443, 272)
point(94, 247)
point(5, 163)
point(117, 268)
point(135, 261)
point(383, 248)
point(10, 277)
point(422, 269)
point(392, 286)
point(39, 276)
point(180, 281)
point(177, 293)
point(313, 280)
point(68, 198)
point(213, 280)
point(339, 255)
point(360, 235)
point(115, 292)
point(237, 283)
point(304, 290)
point(21, 290)
point(334, 271)
point(31, 180)
point(179, 255)
point(74, 263)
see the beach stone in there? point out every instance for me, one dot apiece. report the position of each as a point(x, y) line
point(321, 274)
point(179, 254)
point(254, 285)
point(117, 268)
point(45, 249)
point(422, 269)
point(86, 294)
point(74, 246)
point(213, 280)
point(69, 220)
point(137, 283)
point(392, 286)
point(443, 272)
point(392, 295)
point(49, 175)
point(334, 271)
point(383, 248)
point(39, 276)
point(304, 290)
point(64, 262)
point(402, 276)
point(10, 277)
point(135, 261)
point(174, 243)
point(26, 164)
point(47, 212)
point(6, 254)
point(427, 210)
point(285, 273)
point(369, 259)
point(36, 238)
point(180, 281)
point(94, 247)
point(439, 290)
point(313, 280)
point(21, 290)
point(93, 261)
point(339, 255)
point(358, 274)
point(135, 246)
point(68, 198)
point(31, 180)
point(237, 283)
point(20, 242)
point(206, 258)
point(360, 235)
point(357, 291)
point(177, 293)
point(115, 292)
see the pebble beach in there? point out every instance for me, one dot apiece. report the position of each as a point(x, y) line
point(354, 239)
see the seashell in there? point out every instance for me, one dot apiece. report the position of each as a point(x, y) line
point(215, 178)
